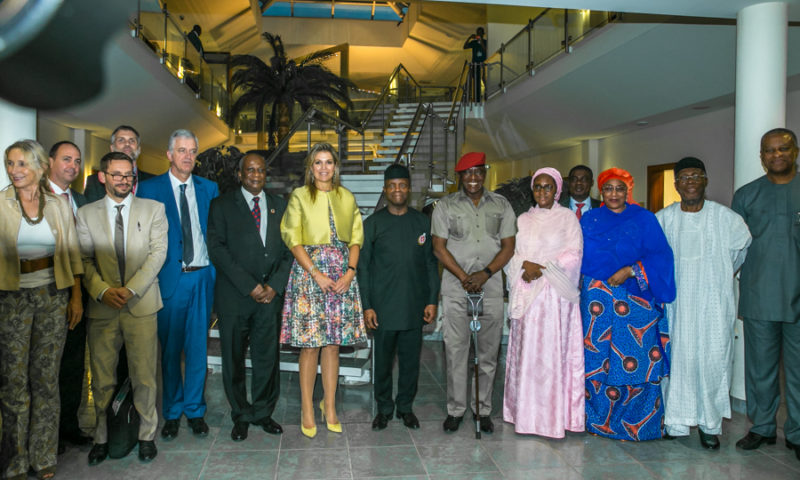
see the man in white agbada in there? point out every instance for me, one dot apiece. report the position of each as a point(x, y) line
point(710, 242)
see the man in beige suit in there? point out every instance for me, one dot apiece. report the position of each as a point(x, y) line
point(123, 244)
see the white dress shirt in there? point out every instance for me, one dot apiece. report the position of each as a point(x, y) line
point(587, 205)
point(198, 241)
point(262, 204)
point(58, 191)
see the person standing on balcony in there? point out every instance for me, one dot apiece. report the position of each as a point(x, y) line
point(399, 280)
point(244, 243)
point(124, 139)
point(476, 42)
point(473, 236)
point(579, 184)
point(187, 285)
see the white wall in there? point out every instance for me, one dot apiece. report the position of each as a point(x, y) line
point(708, 137)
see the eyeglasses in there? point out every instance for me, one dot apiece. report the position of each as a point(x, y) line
point(612, 189)
point(117, 177)
point(693, 178)
point(546, 188)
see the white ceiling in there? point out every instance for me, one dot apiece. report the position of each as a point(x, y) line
point(690, 8)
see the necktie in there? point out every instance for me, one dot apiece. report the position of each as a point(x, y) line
point(119, 243)
point(579, 211)
point(186, 228)
point(256, 211)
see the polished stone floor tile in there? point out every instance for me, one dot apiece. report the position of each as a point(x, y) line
point(240, 465)
point(457, 458)
point(428, 453)
point(314, 464)
point(377, 461)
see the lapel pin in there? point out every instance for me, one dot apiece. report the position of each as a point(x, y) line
point(271, 210)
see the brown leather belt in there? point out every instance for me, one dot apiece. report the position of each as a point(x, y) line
point(192, 269)
point(29, 266)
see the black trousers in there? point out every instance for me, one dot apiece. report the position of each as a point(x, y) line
point(70, 379)
point(260, 330)
point(407, 344)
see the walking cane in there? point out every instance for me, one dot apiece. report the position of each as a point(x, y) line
point(475, 309)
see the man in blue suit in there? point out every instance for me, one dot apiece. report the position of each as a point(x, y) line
point(187, 285)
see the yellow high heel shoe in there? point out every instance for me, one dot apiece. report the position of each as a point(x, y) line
point(333, 427)
point(308, 432)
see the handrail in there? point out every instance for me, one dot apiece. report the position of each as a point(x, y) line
point(385, 91)
point(462, 79)
point(426, 107)
point(307, 115)
point(535, 53)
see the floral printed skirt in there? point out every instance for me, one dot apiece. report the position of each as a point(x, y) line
point(313, 318)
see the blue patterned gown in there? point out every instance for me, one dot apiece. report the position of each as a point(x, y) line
point(626, 339)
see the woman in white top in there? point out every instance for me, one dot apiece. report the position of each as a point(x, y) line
point(40, 298)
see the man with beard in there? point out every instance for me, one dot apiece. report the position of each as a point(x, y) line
point(124, 139)
point(65, 166)
point(579, 184)
point(709, 242)
point(399, 280)
point(245, 245)
point(123, 244)
point(769, 300)
point(473, 236)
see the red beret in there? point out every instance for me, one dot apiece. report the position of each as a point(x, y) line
point(471, 159)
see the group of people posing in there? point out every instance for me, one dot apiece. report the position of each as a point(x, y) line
point(606, 301)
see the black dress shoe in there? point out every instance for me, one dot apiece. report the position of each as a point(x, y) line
point(98, 453)
point(751, 441)
point(61, 447)
point(452, 423)
point(198, 426)
point(409, 419)
point(147, 450)
point(707, 440)
point(170, 429)
point(667, 436)
point(380, 421)
point(487, 426)
point(795, 447)
point(239, 431)
point(270, 426)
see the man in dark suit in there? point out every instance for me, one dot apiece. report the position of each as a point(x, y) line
point(244, 243)
point(124, 139)
point(65, 167)
point(187, 285)
point(580, 185)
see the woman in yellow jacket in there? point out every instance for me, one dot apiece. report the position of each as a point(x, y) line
point(322, 310)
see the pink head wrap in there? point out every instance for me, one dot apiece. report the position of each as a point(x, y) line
point(552, 173)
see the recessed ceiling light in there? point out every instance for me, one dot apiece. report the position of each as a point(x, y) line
point(642, 123)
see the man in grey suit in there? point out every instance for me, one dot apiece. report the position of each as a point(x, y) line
point(65, 167)
point(245, 245)
point(580, 184)
point(123, 244)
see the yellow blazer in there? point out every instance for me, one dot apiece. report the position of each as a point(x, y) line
point(145, 252)
point(305, 222)
point(67, 261)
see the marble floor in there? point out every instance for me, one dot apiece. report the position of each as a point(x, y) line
point(427, 453)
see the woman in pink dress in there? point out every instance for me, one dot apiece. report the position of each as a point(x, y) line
point(544, 391)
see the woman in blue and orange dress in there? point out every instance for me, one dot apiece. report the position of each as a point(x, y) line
point(628, 275)
point(322, 310)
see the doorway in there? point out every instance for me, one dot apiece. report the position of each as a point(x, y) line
point(661, 187)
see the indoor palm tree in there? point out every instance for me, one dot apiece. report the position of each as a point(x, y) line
point(281, 84)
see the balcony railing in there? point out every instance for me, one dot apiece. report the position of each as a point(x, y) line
point(553, 32)
point(205, 74)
